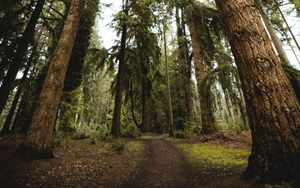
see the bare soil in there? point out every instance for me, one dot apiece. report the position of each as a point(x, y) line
point(77, 164)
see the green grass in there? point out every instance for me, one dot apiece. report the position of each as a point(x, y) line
point(213, 154)
point(135, 146)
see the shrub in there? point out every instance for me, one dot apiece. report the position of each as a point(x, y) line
point(187, 133)
point(103, 133)
point(118, 147)
point(56, 140)
point(80, 136)
point(130, 131)
point(93, 140)
point(179, 134)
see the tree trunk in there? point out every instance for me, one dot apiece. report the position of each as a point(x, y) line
point(145, 106)
point(69, 104)
point(273, 109)
point(28, 102)
point(277, 43)
point(170, 108)
point(183, 60)
point(38, 140)
point(132, 106)
point(115, 129)
point(8, 81)
point(207, 118)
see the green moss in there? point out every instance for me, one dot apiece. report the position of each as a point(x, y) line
point(217, 155)
point(135, 147)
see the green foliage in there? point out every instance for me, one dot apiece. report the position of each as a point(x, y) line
point(80, 136)
point(93, 140)
point(230, 125)
point(186, 133)
point(282, 185)
point(294, 77)
point(130, 131)
point(135, 146)
point(118, 147)
point(103, 133)
point(57, 140)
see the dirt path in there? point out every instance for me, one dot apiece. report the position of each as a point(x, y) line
point(164, 166)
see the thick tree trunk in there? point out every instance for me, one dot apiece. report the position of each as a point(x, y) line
point(8, 81)
point(277, 43)
point(38, 140)
point(69, 104)
point(272, 106)
point(207, 118)
point(28, 102)
point(185, 63)
point(170, 108)
point(115, 129)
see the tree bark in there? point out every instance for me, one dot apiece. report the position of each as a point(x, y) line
point(207, 118)
point(138, 125)
point(37, 143)
point(8, 81)
point(115, 129)
point(273, 109)
point(145, 105)
point(69, 104)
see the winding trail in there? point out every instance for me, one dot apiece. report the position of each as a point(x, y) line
point(164, 166)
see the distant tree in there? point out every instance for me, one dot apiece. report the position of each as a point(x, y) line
point(206, 104)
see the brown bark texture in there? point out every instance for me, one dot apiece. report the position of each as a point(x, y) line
point(272, 107)
point(115, 129)
point(39, 137)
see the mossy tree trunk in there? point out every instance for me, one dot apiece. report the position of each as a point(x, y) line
point(207, 116)
point(70, 99)
point(272, 106)
point(184, 61)
point(170, 107)
point(116, 123)
point(38, 142)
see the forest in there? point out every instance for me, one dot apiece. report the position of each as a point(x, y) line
point(189, 93)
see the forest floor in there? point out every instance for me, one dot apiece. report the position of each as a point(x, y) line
point(150, 161)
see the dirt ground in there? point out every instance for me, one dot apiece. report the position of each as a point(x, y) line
point(77, 164)
point(81, 164)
